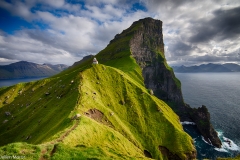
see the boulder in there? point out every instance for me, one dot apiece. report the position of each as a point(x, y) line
point(7, 113)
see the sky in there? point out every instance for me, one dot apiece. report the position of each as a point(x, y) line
point(64, 31)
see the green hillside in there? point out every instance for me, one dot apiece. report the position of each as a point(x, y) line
point(139, 122)
point(119, 119)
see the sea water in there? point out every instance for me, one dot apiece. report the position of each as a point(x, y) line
point(220, 92)
point(10, 82)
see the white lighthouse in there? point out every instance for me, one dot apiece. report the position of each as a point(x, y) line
point(95, 61)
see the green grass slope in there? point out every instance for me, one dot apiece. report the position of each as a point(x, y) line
point(38, 109)
point(133, 120)
point(144, 120)
point(120, 119)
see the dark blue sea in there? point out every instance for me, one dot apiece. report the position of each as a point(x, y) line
point(220, 92)
point(10, 82)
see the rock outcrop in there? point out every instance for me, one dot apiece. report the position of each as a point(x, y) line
point(201, 117)
point(147, 48)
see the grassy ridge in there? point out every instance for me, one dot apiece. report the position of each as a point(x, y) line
point(136, 112)
point(133, 120)
point(140, 121)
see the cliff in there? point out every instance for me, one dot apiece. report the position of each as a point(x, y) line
point(144, 39)
point(25, 69)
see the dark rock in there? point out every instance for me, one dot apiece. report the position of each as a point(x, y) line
point(5, 121)
point(201, 117)
point(168, 154)
point(7, 113)
point(147, 48)
point(147, 154)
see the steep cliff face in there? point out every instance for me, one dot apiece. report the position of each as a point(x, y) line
point(147, 48)
point(201, 117)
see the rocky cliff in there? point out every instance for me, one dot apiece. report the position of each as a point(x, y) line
point(148, 49)
point(145, 40)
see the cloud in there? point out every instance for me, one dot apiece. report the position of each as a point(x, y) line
point(196, 29)
point(66, 30)
point(68, 37)
point(18, 8)
point(224, 25)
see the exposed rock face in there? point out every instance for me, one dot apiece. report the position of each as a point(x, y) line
point(201, 117)
point(98, 116)
point(147, 48)
point(169, 154)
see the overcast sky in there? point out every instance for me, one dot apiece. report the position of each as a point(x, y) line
point(62, 32)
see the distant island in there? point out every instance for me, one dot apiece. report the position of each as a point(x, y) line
point(23, 69)
point(210, 67)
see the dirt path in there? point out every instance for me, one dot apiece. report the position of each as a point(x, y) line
point(60, 139)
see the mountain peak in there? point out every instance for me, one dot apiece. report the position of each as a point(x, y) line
point(24, 69)
point(142, 43)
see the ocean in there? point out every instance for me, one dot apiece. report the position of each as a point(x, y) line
point(10, 82)
point(219, 92)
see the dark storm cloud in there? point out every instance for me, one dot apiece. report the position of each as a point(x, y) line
point(224, 25)
point(180, 48)
point(213, 58)
point(168, 3)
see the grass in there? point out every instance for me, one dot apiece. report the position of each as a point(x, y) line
point(20, 150)
point(35, 114)
point(140, 110)
point(41, 112)
point(135, 110)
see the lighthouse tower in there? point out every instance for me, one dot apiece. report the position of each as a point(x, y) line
point(95, 61)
